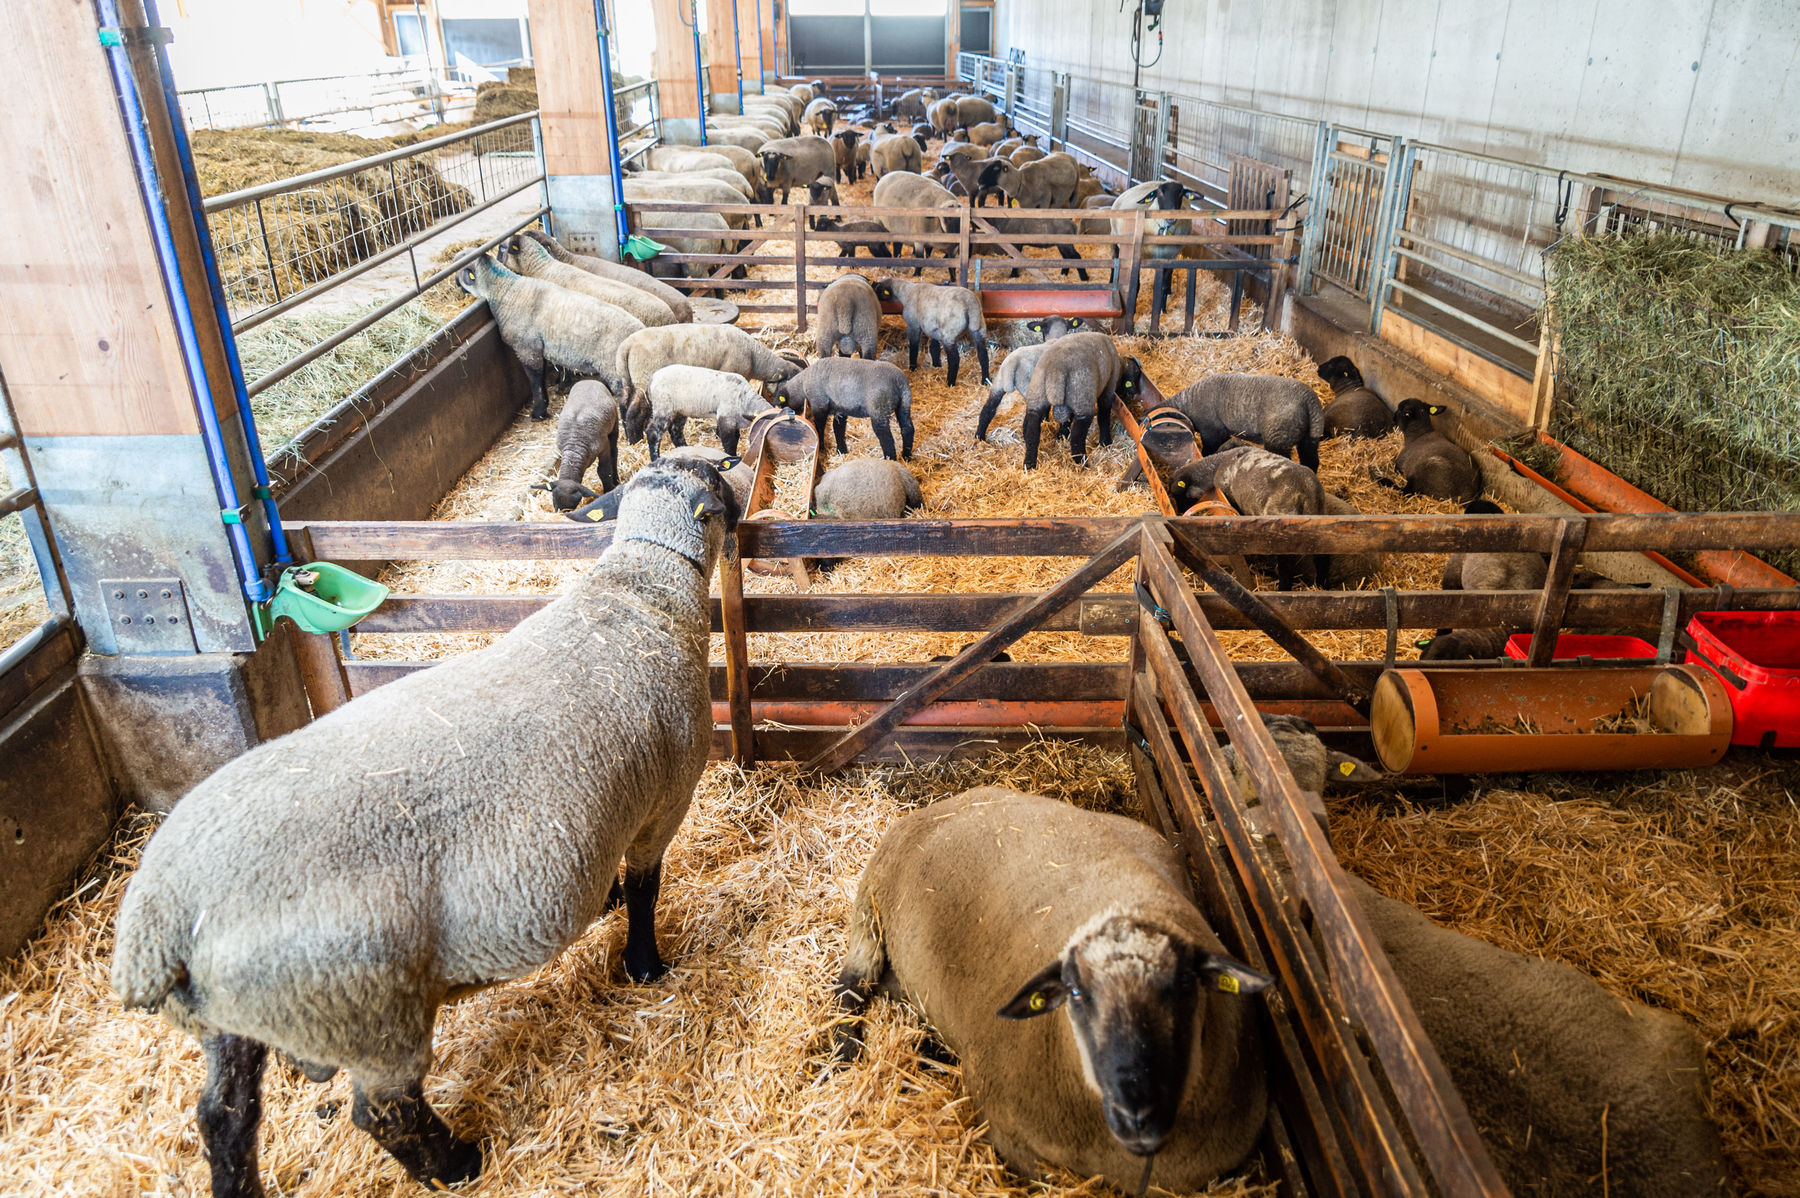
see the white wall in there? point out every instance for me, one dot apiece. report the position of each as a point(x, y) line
point(1700, 94)
point(222, 42)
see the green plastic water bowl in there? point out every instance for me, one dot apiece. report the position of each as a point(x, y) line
point(337, 599)
point(642, 248)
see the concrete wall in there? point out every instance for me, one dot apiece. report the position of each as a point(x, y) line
point(1680, 92)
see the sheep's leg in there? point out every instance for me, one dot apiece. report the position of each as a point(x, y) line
point(229, 1110)
point(818, 423)
point(654, 435)
point(678, 431)
point(904, 416)
point(1309, 454)
point(1069, 251)
point(728, 437)
point(642, 960)
point(936, 348)
point(401, 1121)
point(981, 354)
point(988, 411)
point(1159, 293)
point(865, 961)
point(1034, 427)
point(840, 424)
point(609, 462)
point(1105, 418)
point(912, 347)
point(1078, 431)
point(885, 435)
point(954, 355)
point(540, 402)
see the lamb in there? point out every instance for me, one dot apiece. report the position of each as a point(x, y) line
point(820, 115)
point(896, 152)
point(821, 191)
point(679, 392)
point(1566, 1082)
point(990, 909)
point(1018, 366)
point(587, 434)
point(526, 257)
point(794, 162)
point(1312, 764)
point(966, 171)
point(1432, 463)
point(546, 324)
point(618, 273)
point(1346, 569)
point(905, 189)
point(1076, 380)
point(865, 489)
point(1280, 414)
point(1465, 644)
point(942, 116)
point(942, 314)
point(715, 346)
point(1164, 195)
point(913, 102)
point(1354, 410)
point(849, 318)
point(1257, 483)
point(324, 893)
point(840, 388)
point(1493, 571)
point(847, 249)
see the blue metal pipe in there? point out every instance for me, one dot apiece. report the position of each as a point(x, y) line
point(259, 467)
point(699, 74)
point(737, 50)
point(137, 132)
point(762, 86)
point(604, 37)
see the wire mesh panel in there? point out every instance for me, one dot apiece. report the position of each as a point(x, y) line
point(1356, 168)
point(1036, 94)
point(1204, 136)
point(227, 107)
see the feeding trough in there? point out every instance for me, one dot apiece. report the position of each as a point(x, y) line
point(1472, 721)
point(779, 438)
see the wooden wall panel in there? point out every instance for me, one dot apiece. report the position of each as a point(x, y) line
point(567, 56)
point(675, 60)
point(87, 343)
point(1496, 384)
point(721, 50)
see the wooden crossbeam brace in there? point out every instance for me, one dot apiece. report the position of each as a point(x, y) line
point(1553, 602)
point(1028, 616)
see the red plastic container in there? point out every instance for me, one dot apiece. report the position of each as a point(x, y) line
point(1571, 645)
point(1762, 650)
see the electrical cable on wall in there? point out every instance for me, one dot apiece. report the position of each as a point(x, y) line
point(1153, 10)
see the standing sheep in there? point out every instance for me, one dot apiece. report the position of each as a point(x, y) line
point(973, 110)
point(992, 910)
point(794, 162)
point(865, 489)
point(587, 434)
point(942, 315)
point(1354, 410)
point(546, 324)
point(905, 189)
point(324, 893)
point(715, 346)
point(1433, 464)
point(1164, 196)
point(1016, 369)
point(849, 318)
point(844, 147)
point(820, 116)
point(677, 393)
point(1076, 380)
point(1280, 414)
point(895, 152)
point(523, 256)
point(840, 388)
point(847, 249)
point(1257, 483)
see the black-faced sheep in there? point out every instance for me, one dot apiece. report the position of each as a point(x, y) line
point(523, 256)
point(546, 324)
point(865, 489)
point(905, 189)
point(1465, 644)
point(1313, 765)
point(1046, 182)
point(714, 346)
point(942, 315)
point(618, 273)
point(992, 910)
point(820, 116)
point(1163, 196)
point(792, 162)
point(1075, 381)
point(847, 249)
point(587, 434)
point(1257, 483)
point(1354, 410)
point(839, 388)
point(324, 893)
point(961, 174)
point(1432, 463)
point(1013, 377)
point(844, 146)
point(849, 318)
point(679, 393)
point(1280, 414)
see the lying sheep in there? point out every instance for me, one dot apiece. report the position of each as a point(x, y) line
point(1016, 369)
point(942, 315)
point(896, 152)
point(1075, 381)
point(1280, 414)
point(587, 434)
point(1493, 571)
point(324, 893)
point(1465, 644)
point(1354, 410)
point(993, 908)
point(1347, 570)
point(820, 116)
point(1256, 483)
point(839, 388)
point(526, 257)
point(865, 489)
point(546, 324)
point(678, 393)
point(847, 249)
point(1432, 463)
point(849, 318)
point(715, 346)
point(618, 273)
point(794, 162)
point(1313, 765)
point(1570, 1085)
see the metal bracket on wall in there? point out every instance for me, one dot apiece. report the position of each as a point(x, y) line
point(148, 615)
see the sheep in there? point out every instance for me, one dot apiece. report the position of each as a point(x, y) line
point(1257, 483)
point(1465, 644)
point(1493, 571)
point(973, 110)
point(861, 159)
point(1306, 757)
point(1026, 153)
point(543, 323)
point(865, 489)
point(1432, 463)
point(849, 318)
point(922, 133)
point(942, 314)
point(1005, 149)
point(523, 256)
point(617, 272)
point(963, 172)
point(820, 115)
point(715, 346)
point(990, 133)
point(942, 116)
point(1280, 414)
point(1017, 367)
point(913, 103)
point(1566, 1081)
point(663, 267)
point(686, 190)
point(730, 178)
point(993, 908)
point(1089, 189)
point(1346, 569)
point(895, 152)
point(1076, 380)
point(839, 388)
point(679, 392)
point(681, 158)
point(1354, 409)
point(803, 93)
point(906, 189)
point(847, 249)
point(587, 434)
point(324, 893)
point(1163, 195)
point(1047, 182)
point(822, 191)
point(794, 162)
point(747, 139)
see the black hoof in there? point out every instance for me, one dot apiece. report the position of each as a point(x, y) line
point(461, 1164)
point(645, 971)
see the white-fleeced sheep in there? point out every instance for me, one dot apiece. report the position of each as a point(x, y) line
point(895, 152)
point(906, 189)
point(587, 434)
point(679, 393)
point(1280, 414)
point(546, 324)
point(942, 315)
point(820, 116)
point(714, 346)
point(866, 489)
point(792, 162)
point(849, 318)
point(526, 257)
point(993, 911)
point(617, 272)
point(840, 388)
point(324, 893)
point(1162, 196)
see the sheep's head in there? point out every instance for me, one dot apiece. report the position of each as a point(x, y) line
point(681, 504)
point(1193, 481)
point(635, 419)
point(787, 401)
point(1131, 375)
point(849, 137)
point(1341, 374)
point(1414, 416)
point(1170, 194)
point(1052, 327)
point(565, 494)
point(884, 291)
point(475, 277)
point(1131, 991)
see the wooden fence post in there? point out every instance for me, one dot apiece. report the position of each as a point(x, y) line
point(799, 268)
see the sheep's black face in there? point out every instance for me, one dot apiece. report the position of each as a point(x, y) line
point(884, 291)
point(1132, 995)
point(1341, 374)
point(1414, 416)
point(1131, 375)
point(465, 279)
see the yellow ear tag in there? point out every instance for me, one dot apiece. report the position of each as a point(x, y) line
point(595, 516)
point(1346, 768)
point(1434, 409)
point(700, 511)
point(1227, 983)
point(1038, 1002)
point(1182, 485)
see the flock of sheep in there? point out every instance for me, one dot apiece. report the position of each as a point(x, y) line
point(324, 894)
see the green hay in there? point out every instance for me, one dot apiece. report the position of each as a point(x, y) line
point(1680, 364)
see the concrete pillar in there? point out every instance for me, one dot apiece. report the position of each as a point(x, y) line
point(577, 158)
point(674, 64)
point(721, 57)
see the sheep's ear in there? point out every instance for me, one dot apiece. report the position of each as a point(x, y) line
point(540, 486)
point(1148, 200)
point(593, 516)
point(1424, 644)
point(1434, 409)
point(1075, 322)
point(1036, 326)
point(1042, 994)
point(728, 464)
point(588, 493)
point(1230, 977)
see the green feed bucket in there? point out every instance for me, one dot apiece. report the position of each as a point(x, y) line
point(642, 248)
point(336, 599)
